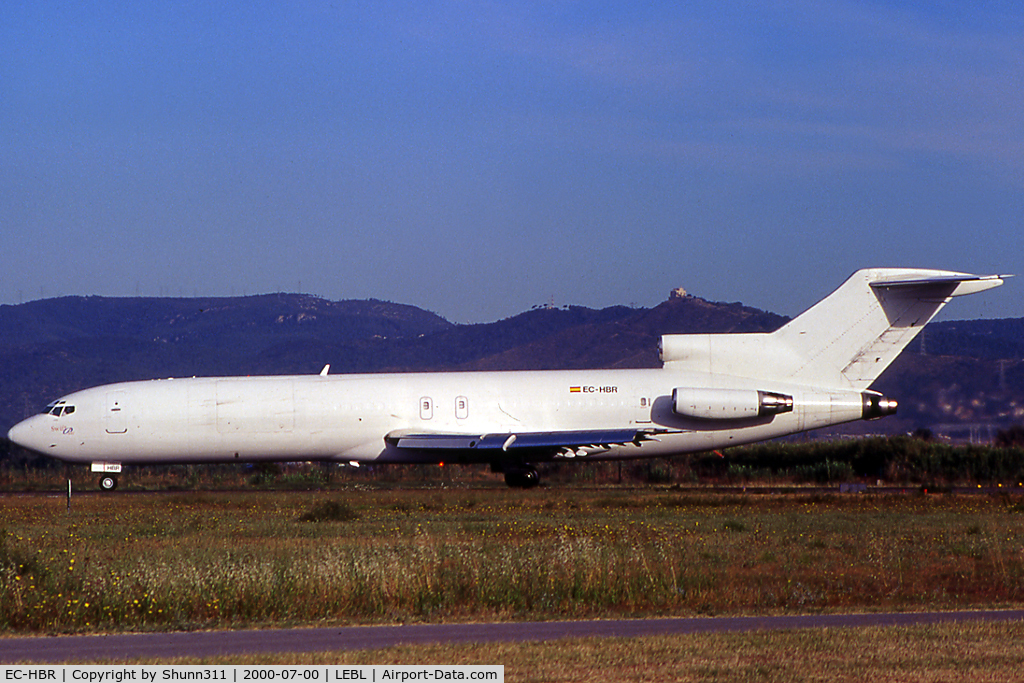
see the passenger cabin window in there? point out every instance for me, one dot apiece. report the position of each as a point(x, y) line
point(426, 408)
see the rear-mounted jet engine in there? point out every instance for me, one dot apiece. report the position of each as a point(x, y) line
point(728, 404)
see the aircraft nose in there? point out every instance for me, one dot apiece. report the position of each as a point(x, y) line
point(15, 432)
point(25, 434)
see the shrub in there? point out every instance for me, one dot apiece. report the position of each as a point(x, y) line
point(825, 472)
point(330, 511)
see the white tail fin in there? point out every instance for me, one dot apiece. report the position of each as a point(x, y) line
point(845, 340)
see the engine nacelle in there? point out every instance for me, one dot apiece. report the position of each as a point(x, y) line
point(728, 404)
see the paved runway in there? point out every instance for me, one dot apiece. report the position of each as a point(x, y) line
point(65, 649)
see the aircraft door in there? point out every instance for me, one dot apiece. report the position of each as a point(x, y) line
point(116, 418)
point(643, 405)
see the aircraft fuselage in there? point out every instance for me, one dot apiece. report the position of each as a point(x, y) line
point(347, 417)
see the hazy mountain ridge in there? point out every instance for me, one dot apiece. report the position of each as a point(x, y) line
point(968, 371)
point(996, 338)
point(267, 317)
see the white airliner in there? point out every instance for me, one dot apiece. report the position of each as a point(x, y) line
point(714, 390)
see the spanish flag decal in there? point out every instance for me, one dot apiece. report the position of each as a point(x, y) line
point(575, 390)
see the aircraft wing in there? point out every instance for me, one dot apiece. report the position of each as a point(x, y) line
point(550, 441)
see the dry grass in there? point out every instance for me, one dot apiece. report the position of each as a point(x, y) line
point(210, 560)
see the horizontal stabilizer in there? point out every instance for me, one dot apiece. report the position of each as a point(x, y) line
point(964, 284)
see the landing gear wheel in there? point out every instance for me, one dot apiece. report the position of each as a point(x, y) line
point(108, 482)
point(525, 478)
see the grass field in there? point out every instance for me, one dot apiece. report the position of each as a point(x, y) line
point(211, 560)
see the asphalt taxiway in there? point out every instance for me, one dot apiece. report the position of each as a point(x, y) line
point(205, 644)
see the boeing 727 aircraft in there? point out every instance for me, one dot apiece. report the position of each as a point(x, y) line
point(714, 390)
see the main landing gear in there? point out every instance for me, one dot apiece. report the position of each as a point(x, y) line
point(522, 477)
point(108, 482)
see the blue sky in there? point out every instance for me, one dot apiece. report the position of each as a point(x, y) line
point(478, 158)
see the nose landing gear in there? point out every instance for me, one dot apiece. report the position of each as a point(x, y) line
point(108, 474)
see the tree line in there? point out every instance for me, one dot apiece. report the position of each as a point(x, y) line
point(901, 460)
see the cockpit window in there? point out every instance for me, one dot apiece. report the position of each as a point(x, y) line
point(58, 408)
